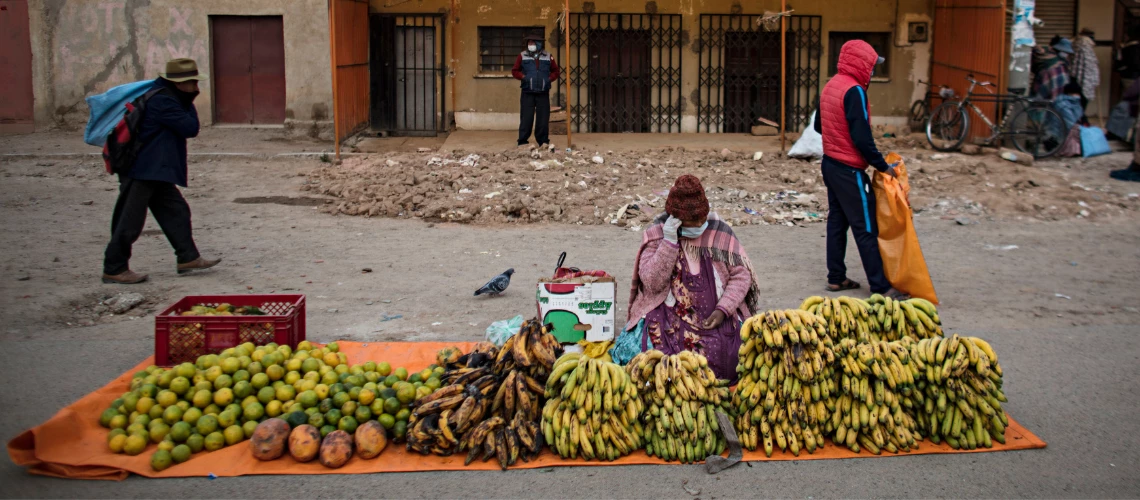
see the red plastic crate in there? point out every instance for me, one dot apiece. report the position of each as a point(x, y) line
point(179, 339)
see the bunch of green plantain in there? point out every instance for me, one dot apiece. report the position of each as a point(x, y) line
point(961, 390)
point(878, 397)
point(894, 319)
point(846, 317)
point(437, 420)
point(683, 396)
point(787, 386)
point(510, 430)
point(592, 409)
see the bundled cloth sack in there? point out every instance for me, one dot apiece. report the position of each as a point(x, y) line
point(108, 108)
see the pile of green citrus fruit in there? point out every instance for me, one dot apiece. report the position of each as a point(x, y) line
point(219, 400)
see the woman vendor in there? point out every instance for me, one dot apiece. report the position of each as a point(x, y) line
point(693, 284)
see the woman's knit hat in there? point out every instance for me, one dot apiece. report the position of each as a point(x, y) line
point(687, 199)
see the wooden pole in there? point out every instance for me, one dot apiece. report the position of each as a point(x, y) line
point(332, 60)
point(783, 73)
point(453, 19)
point(566, 71)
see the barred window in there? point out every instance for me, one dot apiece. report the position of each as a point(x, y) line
point(881, 42)
point(500, 45)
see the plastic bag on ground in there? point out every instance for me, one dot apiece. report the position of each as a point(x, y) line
point(810, 145)
point(903, 262)
point(500, 331)
point(1093, 142)
point(108, 108)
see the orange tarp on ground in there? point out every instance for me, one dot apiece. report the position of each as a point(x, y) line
point(72, 444)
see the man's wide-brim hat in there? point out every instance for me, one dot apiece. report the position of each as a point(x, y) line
point(182, 70)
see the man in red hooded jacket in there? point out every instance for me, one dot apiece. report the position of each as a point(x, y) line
point(844, 121)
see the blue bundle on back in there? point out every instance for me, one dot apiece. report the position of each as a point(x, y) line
point(108, 108)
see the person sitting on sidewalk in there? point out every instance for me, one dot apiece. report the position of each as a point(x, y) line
point(152, 183)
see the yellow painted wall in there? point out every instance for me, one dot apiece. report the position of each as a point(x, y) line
point(493, 102)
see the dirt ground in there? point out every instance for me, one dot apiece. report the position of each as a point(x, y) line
point(627, 188)
point(1012, 255)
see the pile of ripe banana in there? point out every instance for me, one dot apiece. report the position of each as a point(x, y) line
point(438, 419)
point(592, 409)
point(878, 397)
point(876, 319)
point(960, 391)
point(491, 407)
point(786, 381)
point(683, 396)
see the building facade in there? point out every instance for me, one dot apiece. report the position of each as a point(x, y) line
point(427, 66)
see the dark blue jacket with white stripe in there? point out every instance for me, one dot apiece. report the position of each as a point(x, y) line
point(536, 70)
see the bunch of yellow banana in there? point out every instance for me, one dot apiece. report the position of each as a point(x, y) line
point(916, 318)
point(875, 408)
point(787, 386)
point(683, 396)
point(961, 392)
point(846, 317)
point(509, 428)
point(592, 409)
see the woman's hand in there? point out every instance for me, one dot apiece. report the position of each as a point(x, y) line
point(714, 320)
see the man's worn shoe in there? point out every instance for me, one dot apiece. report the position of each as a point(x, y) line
point(197, 265)
point(127, 277)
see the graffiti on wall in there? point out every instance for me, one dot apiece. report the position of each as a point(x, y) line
point(100, 44)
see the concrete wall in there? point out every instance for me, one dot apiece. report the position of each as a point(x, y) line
point(83, 47)
point(483, 102)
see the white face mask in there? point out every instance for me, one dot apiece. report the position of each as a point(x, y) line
point(694, 232)
point(532, 47)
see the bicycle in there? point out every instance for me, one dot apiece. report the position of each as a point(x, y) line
point(1036, 128)
point(920, 109)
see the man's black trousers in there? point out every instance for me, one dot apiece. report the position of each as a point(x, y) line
point(851, 204)
point(530, 105)
point(170, 209)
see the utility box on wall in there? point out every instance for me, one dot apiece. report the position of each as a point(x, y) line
point(918, 32)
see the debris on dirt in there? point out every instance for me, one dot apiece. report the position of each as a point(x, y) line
point(691, 491)
point(366, 270)
point(586, 188)
point(123, 302)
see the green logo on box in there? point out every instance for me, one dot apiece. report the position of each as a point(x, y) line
point(596, 307)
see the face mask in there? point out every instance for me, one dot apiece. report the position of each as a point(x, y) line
point(694, 232)
point(532, 47)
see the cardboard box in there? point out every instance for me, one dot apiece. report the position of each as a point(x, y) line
point(578, 308)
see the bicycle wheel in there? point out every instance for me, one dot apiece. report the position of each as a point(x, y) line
point(919, 112)
point(1038, 130)
point(947, 127)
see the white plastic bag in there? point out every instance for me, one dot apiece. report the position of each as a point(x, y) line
point(500, 331)
point(810, 145)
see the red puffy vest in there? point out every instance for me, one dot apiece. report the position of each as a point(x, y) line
point(856, 61)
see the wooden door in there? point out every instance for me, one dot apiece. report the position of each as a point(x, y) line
point(16, 106)
point(752, 79)
point(619, 79)
point(248, 69)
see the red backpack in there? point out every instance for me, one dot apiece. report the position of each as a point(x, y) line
point(122, 146)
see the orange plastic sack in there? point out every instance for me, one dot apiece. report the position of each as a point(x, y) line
point(898, 243)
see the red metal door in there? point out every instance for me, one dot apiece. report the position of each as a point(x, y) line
point(268, 69)
point(16, 105)
point(249, 69)
point(969, 39)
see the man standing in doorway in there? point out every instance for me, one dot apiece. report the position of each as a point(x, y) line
point(168, 120)
point(537, 70)
point(848, 148)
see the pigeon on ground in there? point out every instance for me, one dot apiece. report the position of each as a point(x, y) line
point(497, 285)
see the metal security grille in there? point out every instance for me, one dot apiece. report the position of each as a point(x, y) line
point(739, 78)
point(626, 72)
point(500, 45)
point(409, 73)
